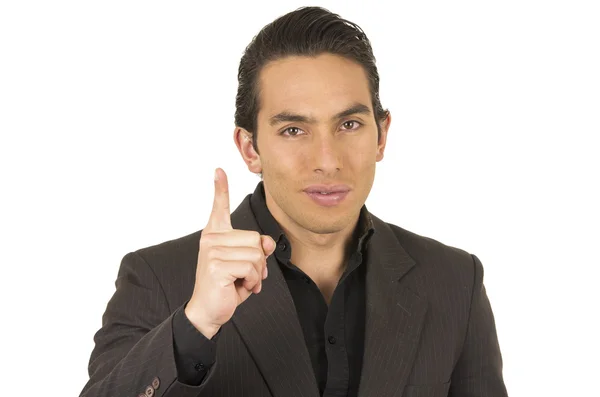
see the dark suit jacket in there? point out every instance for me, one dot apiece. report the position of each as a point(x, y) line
point(430, 330)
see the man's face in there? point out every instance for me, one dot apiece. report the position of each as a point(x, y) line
point(322, 149)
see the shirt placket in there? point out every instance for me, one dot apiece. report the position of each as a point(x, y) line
point(335, 347)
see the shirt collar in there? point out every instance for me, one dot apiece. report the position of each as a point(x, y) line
point(269, 226)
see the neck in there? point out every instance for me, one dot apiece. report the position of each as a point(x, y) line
point(321, 255)
point(324, 254)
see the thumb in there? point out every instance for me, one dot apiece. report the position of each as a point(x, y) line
point(268, 245)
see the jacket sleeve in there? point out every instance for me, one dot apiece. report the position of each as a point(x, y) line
point(134, 348)
point(478, 372)
point(194, 353)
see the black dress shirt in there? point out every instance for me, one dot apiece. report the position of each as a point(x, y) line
point(334, 335)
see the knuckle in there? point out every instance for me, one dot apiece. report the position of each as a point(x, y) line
point(215, 252)
point(207, 239)
point(213, 267)
point(255, 238)
point(257, 256)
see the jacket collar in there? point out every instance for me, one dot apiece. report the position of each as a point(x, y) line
point(269, 325)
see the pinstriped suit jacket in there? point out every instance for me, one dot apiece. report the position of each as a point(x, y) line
point(430, 330)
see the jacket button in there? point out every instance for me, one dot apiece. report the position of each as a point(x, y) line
point(156, 382)
point(149, 391)
point(199, 367)
point(331, 340)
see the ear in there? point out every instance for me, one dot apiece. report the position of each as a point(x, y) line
point(243, 141)
point(384, 125)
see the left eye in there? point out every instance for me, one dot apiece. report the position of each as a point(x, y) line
point(351, 123)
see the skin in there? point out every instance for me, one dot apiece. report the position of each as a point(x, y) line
point(323, 148)
point(320, 150)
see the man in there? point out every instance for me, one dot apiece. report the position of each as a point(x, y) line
point(301, 291)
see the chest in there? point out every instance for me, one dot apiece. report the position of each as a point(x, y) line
point(327, 288)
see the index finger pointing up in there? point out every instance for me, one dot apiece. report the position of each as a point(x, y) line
point(220, 217)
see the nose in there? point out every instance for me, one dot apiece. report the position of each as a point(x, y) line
point(327, 158)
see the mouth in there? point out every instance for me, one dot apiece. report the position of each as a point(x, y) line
point(327, 195)
point(327, 189)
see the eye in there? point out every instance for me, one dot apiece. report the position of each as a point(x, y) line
point(354, 123)
point(292, 131)
point(351, 123)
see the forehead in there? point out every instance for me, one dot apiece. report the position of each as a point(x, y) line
point(320, 86)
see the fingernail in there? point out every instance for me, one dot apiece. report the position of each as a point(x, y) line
point(265, 272)
point(216, 175)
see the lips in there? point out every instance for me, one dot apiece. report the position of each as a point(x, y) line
point(327, 189)
point(327, 195)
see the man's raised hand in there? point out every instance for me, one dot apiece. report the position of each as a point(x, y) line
point(231, 265)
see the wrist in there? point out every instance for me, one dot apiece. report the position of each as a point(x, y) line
point(199, 322)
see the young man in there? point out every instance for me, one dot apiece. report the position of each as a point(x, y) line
point(301, 291)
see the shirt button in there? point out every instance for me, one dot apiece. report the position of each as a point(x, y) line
point(199, 367)
point(149, 391)
point(331, 340)
point(156, 382)
point(282, 246)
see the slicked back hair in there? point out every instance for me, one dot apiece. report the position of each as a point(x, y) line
point(307, 31)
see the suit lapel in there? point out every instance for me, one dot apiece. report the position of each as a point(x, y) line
point(269, 326)
point(394, 316)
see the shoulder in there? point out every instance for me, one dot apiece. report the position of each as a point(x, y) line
point(170, 264)
point(437, 263)
point(178, 254)
point(426, 248)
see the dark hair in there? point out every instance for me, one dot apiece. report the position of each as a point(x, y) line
point(307, 31)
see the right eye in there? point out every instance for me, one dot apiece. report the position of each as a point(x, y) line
point(292, 131)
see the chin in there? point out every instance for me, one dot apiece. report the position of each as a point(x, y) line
point(324, 226)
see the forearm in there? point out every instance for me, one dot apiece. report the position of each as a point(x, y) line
point(125, 370)
point(195, 354)
point(135, 344)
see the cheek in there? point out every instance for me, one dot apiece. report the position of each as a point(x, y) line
point(291, 156)
point(361, 156)
point(284, 160)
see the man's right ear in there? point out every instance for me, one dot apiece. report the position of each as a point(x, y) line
point(243, 141)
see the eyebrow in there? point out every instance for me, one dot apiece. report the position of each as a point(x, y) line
point(286, 116)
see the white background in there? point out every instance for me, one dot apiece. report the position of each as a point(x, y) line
point(115, 114)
